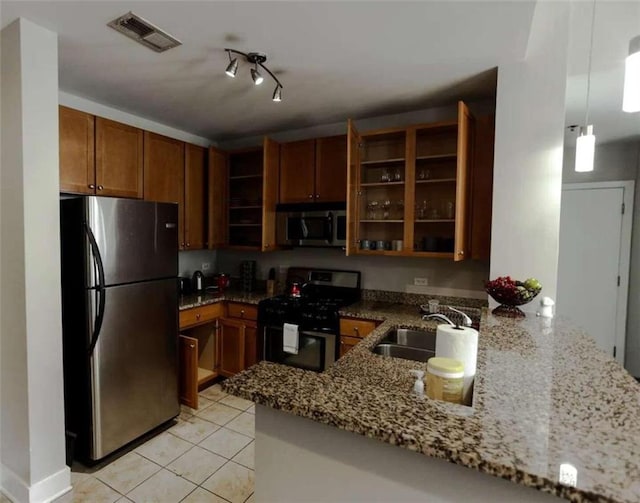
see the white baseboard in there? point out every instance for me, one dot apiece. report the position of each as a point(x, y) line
point(43, 491)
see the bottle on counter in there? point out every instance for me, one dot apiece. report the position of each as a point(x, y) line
point(445, 379)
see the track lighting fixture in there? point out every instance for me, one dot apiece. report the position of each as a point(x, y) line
point(257, 59)
point(232, 69)
point(255, 75)
point(277, 93)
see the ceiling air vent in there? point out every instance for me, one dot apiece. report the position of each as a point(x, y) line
point(142, 31)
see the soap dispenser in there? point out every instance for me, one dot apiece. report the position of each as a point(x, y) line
point(418, 386)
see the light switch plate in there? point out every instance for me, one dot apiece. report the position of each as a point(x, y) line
point(421, 281)
point(206, 266)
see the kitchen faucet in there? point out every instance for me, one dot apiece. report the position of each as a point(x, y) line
point(466, 321)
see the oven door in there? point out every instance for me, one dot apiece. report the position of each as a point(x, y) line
point(316, 350)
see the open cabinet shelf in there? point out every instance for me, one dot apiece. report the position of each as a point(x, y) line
point(425, 206)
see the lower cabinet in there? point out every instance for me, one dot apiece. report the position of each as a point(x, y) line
point(232, 344)
point(347, 343)
point(188, 370)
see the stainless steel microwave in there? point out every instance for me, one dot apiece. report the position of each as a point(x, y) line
point(312, 227)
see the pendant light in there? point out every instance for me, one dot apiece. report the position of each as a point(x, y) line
point(257, 59)
point(586, 142)
point(631, 99)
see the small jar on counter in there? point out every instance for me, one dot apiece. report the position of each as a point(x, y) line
point(445, 379)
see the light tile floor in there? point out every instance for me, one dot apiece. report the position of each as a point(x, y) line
point(207, 457)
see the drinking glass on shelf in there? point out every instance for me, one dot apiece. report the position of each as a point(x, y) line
point(397, 176)
point(385, 177)
point(449, 210)
point(386, 204)
point(372, 210)
point(424, 174)
point(400, 208)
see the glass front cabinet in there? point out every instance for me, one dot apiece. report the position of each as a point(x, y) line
point(408, 191)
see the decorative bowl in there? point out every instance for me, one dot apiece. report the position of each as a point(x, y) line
point(511, 293)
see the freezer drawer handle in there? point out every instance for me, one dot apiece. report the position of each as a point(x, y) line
point(97, 324)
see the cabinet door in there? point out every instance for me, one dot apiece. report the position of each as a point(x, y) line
point(188, 370)
point(482, 187)
point(119, 150)
point(194, 197)
point(353, 173)
point(250, 344)
point(347, 344)
point(464, 151)
point(270, 184)
point(232, 347)
point(164, 174)
point(218, 190)
point(297, 166)
point(77, 166)
point(331, 169)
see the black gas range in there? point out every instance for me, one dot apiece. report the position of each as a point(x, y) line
point(310, 309)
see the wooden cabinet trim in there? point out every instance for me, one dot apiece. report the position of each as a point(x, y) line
point(194, 197)
point(270, 187)
point(218, 183)
point(188, 370)
point(119, 159)
point(76, 151)
point(355, 327)
point(200, 315)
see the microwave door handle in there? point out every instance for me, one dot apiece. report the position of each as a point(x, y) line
point(304, 228)
point(330, 228)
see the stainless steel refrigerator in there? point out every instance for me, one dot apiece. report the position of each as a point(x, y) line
point(120, 319)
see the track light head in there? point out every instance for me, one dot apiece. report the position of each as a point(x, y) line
point(277, 94)
point(232, 69)
point(255, 75)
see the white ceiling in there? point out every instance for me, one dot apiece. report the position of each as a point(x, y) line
point(335, 59)
point(616, 22)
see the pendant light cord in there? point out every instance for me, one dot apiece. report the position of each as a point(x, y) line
point(586, 108)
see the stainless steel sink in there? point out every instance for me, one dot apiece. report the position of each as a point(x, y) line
point(405, 352)
point(421, 339)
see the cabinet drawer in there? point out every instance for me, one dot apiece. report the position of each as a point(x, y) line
point(347, 344)
point(356, 328)
point(242, 311)
point(200, 315)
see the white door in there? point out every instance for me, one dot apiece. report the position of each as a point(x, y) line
point(589, 266)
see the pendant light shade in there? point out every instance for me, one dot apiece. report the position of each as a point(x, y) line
point(585, 150)
point(631, 99)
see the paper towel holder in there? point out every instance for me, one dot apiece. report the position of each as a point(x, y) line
point(438, 316)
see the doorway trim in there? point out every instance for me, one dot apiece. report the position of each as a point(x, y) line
point(624, 268)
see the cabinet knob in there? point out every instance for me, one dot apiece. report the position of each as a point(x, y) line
point(310, 196)
point(266, 246)
point(317, 196)
point(355, 329)
point(242, 313)
point(181, 245)
point(188, 245)
point(100, 187)
point(92, 186)
point(197, 316)
point(192, 346)
point(461, 253)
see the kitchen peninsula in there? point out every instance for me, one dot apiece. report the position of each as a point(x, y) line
point(551, 412)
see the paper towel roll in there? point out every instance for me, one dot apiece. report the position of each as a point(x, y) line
point(460, 344)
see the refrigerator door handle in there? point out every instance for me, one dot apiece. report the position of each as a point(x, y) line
point(97, 324)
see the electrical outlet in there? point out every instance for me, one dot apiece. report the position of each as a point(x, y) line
point(420, 281)
point(568, 475)
point(206, 266)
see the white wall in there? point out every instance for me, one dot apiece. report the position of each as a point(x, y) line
point(527, 176)
point(109, 112)
point(32, 425)
point(613, 161)
point(396, 120)
point(193, 260)
point(632, 354)
point(395, 274)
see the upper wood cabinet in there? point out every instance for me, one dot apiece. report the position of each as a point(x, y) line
point(297, 171)
point(409, 189)
point(195, 167)
point(331, 169)
point(482, 187)
point(243, 193)
point(314, 170)
point(77, 163)
point(119, 151)
point(164, 174)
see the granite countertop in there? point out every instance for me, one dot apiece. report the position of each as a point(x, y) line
point(544, 396)
point(204, 298)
